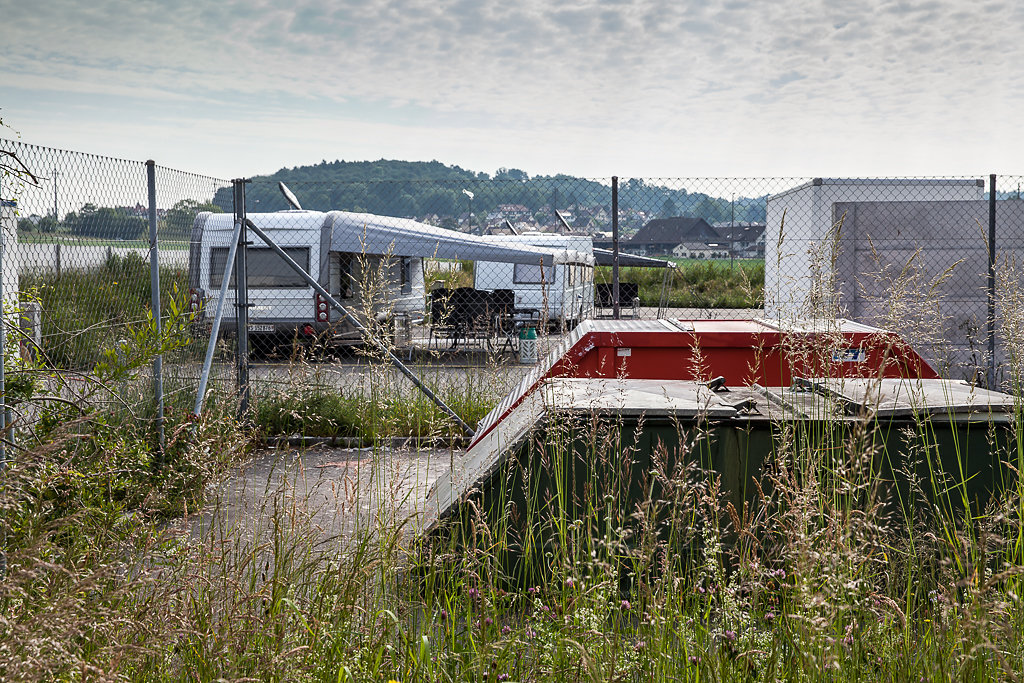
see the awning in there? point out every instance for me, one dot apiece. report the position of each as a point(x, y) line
point(606, 257)
point(370, 234)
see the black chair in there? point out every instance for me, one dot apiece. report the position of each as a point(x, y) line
point(629, 297)
point(503, 303)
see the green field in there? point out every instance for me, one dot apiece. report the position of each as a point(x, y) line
point(697, 283)
point(73, 240)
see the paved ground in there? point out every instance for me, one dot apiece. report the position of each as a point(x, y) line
point(328, 492)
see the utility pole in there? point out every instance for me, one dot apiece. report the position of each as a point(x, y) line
point(732, 230)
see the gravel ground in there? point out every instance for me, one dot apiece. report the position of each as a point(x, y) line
point(329, 492)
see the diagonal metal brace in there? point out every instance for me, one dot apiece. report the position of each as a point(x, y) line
point(362, 328)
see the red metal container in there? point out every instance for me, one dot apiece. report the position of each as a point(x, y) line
point(742, 352)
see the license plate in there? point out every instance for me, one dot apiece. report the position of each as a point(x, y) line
point(261, 328)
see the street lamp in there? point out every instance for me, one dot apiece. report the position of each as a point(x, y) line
point(469, 218)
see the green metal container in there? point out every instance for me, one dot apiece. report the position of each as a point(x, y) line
point(597, 456)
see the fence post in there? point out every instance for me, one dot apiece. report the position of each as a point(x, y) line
point(991, 321)
point(3, 396)
point(154, 284)
point(616, 313)
point(3, 352)
point(242, 300)
point(56, 257)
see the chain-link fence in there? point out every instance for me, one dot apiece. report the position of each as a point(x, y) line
point(88, 239)
point(459, 271)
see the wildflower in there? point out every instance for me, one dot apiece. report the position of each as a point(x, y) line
point(505, 630)
point(531, 590)
point(488, 621)
point(625, 605)
point(694, 659)
point(569, 583)
point(770, 616)
point(473, 593)
point(443, 614)
point(640, 645)
point(503, 677)
point(730, 636)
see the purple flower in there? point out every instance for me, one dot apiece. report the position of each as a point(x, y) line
point(569, 582)
point(472, 592)
point(769, 616)
point(531, 590)
point(625, 605)
point(444, 614)
point(730, 636)
point(694, 659)
point(505, 630)
point(503, 677)
point(488, 621)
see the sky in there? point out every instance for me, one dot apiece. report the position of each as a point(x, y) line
point(595, 88)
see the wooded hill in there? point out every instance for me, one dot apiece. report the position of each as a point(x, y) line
point(433, 190)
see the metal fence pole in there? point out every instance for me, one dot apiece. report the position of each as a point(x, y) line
point(242, 299)
point(991, 322)
point(3, 397)
point(229, 267)
point(616, 313)
point(154, 284)
point(3, 355)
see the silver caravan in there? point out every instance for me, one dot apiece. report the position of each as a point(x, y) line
point(372, 264)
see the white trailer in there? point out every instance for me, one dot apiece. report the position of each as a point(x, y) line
point(372, 264)
point(561, 293)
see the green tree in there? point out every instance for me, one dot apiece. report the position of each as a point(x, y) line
point(177, 222)
point(668, 208)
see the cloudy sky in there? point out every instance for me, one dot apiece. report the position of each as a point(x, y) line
point(654, 88)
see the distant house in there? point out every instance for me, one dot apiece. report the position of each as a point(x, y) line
point(747, 239)
point(662, 235)
point(701, 250)
point(514, 212)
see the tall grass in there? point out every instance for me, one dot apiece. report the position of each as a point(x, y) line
point(87, 311)
point(599, 553)
point(646, 571)
point(371, 411)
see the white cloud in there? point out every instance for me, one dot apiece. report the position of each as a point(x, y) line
point(729, 81)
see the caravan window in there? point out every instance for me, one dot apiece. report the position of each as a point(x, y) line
point(406, 276)
point(266, 270)
point(529, 274)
